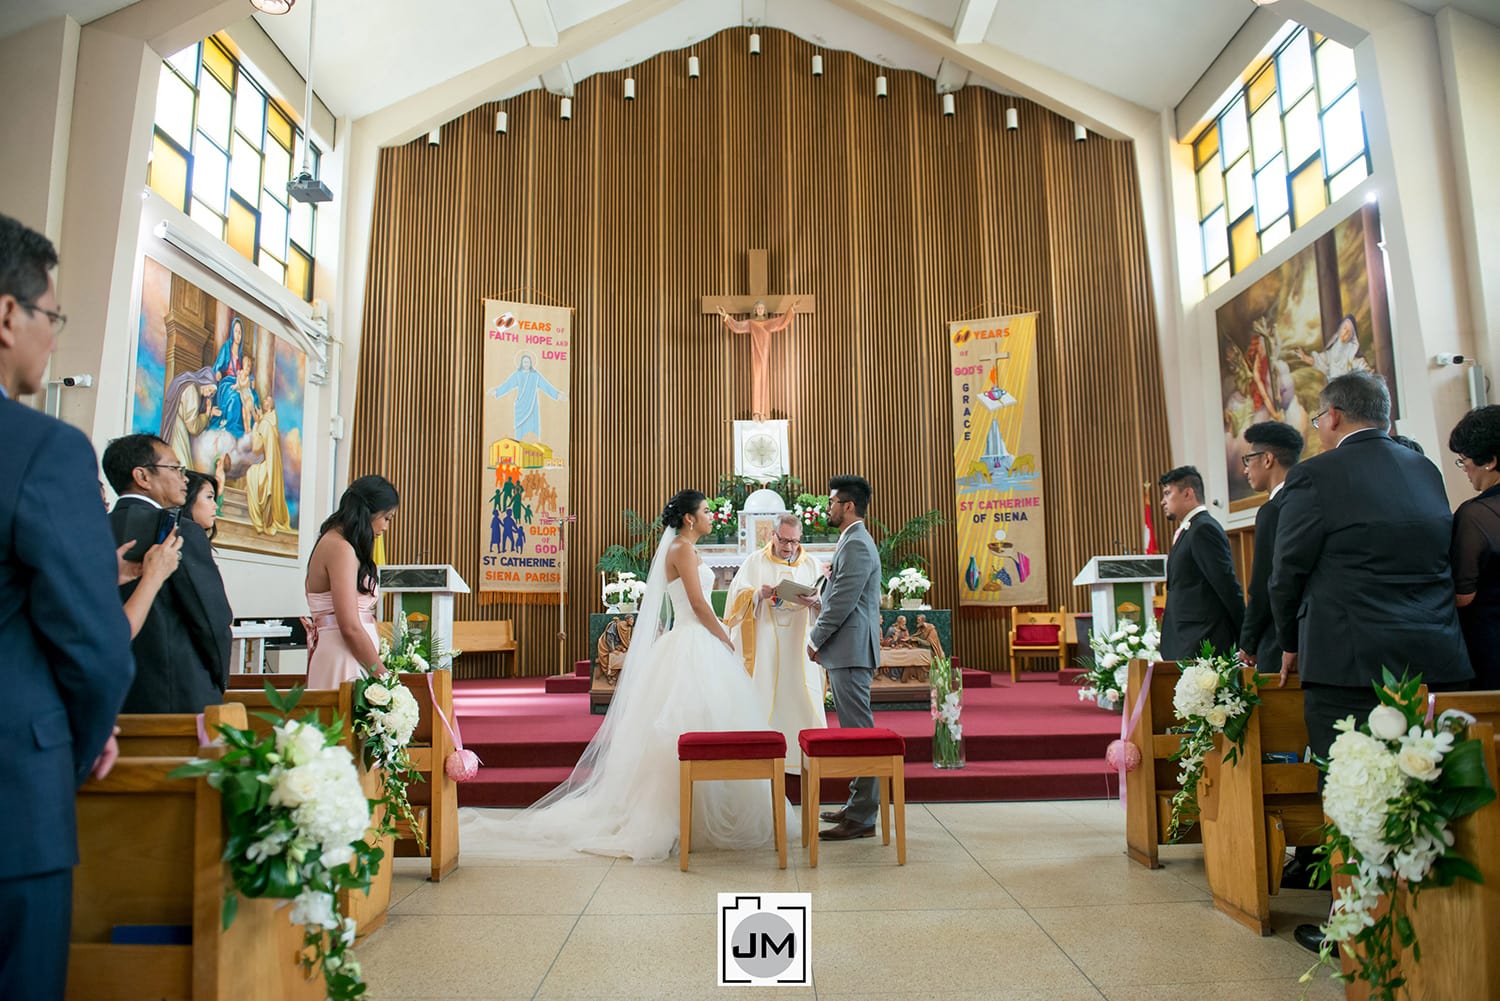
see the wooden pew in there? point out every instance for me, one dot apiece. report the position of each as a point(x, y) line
point(1251, 810)
point(368, 909)
point(150, 852)
point(1457, 927)
point(434, 799)
point(1483, 706)
point(174, 735)
point(489, 636)
point(1150, 788)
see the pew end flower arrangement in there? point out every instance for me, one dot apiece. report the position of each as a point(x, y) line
point(295, 819)
point(1395, 783)
point(385, 717)
point(1106, 671)
point(1213, 699)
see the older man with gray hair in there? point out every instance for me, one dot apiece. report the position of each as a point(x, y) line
point(769, 625)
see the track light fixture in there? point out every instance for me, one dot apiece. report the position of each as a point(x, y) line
point(693, 67)
point(817, 64)
point(502, 122)
point(1079, 133)
point(880, 87)
point(947, 105)
point(755, 43)
point(565, 108)
point(1012, 120)
point(435, 136)
point(630, 88)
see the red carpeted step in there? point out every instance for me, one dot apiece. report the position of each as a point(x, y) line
point(977, 679)
point(583, 668)
point(510, 786)
point(566, 684)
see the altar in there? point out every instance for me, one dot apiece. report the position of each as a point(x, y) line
point(910, 639)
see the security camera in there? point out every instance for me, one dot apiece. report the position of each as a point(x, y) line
point(76, 381)
point(1450, 359)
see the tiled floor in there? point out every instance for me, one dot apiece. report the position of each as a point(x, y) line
point(998, 901)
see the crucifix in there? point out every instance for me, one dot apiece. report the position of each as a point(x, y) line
point(562, 520)
point(762, 323)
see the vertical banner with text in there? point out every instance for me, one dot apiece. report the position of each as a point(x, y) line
point(525, 435)
point(997, 462)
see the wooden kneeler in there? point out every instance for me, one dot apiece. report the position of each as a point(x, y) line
point(850, 752)
point(732, 754)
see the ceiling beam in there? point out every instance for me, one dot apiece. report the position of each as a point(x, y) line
point(558, 80)
point(973, 20)
point(537, 22)
point(1103, 112)
point(413, 116)
point(169, 26)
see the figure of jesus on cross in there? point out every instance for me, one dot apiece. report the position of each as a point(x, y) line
point(762, 322)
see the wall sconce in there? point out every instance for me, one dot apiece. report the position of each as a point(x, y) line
point(435, 136)
point(630, 88)
point(565, 108)
point(693, 67)
point(817, 65)
point(1079, 133)
point(880, 89)
point(947, 105)
point(1012, 120)
point(755, 43)
point(502, 121)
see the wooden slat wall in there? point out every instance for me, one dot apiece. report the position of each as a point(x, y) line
point(896, 218)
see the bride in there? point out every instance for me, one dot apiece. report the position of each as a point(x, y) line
point(622, 798)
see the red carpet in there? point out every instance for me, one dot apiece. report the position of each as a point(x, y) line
point(1029, 741)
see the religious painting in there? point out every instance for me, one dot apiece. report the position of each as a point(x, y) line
point(1321, 314)
point(997, 473)
point(756, 529)
point(525, 425)
point(227, 395)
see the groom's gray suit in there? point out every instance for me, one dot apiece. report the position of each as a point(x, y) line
point(847, 639)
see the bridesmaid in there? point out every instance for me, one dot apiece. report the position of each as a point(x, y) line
point(341, 585)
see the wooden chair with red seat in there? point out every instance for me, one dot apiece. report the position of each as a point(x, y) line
point(1037, 634)
point(732, 754)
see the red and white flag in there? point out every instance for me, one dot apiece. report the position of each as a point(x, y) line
point(1148, 529)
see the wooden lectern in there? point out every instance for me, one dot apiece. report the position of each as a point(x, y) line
point(427, 590)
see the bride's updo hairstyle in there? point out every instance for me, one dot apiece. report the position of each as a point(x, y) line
point(682, 504)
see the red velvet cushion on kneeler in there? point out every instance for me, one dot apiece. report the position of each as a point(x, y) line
point(850, 742)
point(1037, 635)
point(730, 745)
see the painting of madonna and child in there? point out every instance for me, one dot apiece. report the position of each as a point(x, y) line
point(227, 395)
point(1319, 315)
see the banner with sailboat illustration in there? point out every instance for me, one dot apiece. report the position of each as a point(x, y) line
point(997, 462)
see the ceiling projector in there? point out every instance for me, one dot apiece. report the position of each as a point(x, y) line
point(307, 188)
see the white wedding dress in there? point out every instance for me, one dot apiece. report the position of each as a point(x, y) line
point(622, 798)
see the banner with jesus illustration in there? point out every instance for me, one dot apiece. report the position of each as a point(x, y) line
point(997, 462)
point(524, 427)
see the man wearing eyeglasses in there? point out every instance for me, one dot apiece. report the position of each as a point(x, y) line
point(770, 631)
point(1275, 448)
point(1360, 579)
point(182, 649)
point(1204, 601)
point(64, 641)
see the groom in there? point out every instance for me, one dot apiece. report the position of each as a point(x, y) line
point(846, 640)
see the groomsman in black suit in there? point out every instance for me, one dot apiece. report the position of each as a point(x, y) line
point(182, 650)
point(64, 640)
point(1204, 601)
point(1274, 449)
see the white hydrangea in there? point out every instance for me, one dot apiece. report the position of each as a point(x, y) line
point(1195, 691)
point(400, 720)
point(298, 742)
point(1363, 775)
point(313, 908)
point(328, 806)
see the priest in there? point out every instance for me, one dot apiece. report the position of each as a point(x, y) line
point(770, 632)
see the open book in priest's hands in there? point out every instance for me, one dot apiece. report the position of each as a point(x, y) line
point(790, 590)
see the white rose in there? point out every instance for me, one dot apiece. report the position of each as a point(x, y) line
point(1207, 681)
point(1418, 762)
point(1113, 694)
point(1216, 717)
point(1387, 723)
point(295, 786)
point(378, 695)
point(313, 908)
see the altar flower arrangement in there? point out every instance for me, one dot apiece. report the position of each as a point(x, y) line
point(721, 515)
point(1105, 673)
point(812, 509)
point(910, 583)
point(1395, 785)
point(295, 819)
point(1211, 698)
point(625, 589)
point(385, 716)
point(947, 707)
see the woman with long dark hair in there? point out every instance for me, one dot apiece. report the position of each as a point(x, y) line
point(342, 585)
point(202, 504)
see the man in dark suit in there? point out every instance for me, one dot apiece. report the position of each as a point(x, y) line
point(182, 650)
point(1204, 601)
point(845, 639)
point(1360, 579)
point(66, 661)
point(1274, 448)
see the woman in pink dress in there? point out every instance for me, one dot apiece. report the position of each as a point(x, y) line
point(341, 585)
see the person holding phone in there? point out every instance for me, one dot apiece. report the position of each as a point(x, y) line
point(182, 647)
